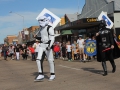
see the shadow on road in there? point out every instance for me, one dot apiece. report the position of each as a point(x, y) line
point(36, 73)
point(93, 70)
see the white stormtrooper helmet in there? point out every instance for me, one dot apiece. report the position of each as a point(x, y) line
point(43, 21)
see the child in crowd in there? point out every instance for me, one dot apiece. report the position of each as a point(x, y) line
point(69, 51)
point(74, 45)
point(76, 53)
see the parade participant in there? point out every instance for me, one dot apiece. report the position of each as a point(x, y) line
point(46, 37)
point(105, 46)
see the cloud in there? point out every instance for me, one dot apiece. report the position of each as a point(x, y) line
point(13, 23)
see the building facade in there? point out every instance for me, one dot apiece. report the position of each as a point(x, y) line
point(31, 30)
point(87, 23)
point(93, 8)
point(10, 39)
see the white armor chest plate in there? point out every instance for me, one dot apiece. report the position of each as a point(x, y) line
point(44, 35)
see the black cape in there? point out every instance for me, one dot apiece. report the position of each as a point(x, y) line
point(116, 50)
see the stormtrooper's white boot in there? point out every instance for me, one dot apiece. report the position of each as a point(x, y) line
point(52, 77)
point(39, 78)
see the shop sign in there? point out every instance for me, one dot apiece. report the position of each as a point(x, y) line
point(91, 19)
point(88, 20)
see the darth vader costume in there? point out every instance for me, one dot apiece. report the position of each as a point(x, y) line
point(106, 47)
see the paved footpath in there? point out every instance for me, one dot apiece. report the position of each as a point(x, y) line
point(19, 75)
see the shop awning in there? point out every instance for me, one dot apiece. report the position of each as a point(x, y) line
point(66, 32)
point(79, 24)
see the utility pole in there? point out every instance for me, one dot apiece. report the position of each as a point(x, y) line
point(19, 15)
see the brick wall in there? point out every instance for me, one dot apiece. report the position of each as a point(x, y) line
point(10, 39)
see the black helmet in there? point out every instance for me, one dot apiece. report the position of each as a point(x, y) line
point(103, 23)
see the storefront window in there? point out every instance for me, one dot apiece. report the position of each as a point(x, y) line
point(79, 32)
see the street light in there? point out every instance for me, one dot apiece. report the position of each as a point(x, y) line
point(78, 7)
point(19, 15)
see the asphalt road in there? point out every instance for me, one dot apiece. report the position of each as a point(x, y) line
point(19, 75)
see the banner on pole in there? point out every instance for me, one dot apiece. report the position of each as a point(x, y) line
point(104, 16)
point(90, 47)
point(54, 20)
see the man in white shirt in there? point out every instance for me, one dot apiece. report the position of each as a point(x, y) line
point(81, 43)
point(36, 47)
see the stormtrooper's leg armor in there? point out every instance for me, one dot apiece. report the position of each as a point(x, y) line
point(49, 54)
point(50, 58)
point(39, 61)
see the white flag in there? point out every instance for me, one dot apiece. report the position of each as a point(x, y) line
point(54, 20)
point(103, 16)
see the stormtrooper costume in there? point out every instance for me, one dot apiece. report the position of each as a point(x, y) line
point(46, 37)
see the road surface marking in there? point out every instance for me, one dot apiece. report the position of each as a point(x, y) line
point(69, 67)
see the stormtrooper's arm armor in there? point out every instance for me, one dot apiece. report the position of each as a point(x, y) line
point(51, 37)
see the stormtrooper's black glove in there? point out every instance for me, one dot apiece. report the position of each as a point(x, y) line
point(48, 48)
point(39, 38)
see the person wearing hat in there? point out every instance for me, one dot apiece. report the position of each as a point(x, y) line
point(36, 47)
point(81, 43)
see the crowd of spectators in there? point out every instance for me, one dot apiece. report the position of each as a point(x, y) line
point(62, 50)
point(72, 50)
point(14, 51)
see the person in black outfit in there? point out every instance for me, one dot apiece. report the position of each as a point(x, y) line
point(17, 52)
point(24, 52)
point(63, 50)
point(4, 51)
point(105, 46)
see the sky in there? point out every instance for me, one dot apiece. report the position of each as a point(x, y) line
point(18, 14)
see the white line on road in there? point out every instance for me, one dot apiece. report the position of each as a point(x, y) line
point(69, 67)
